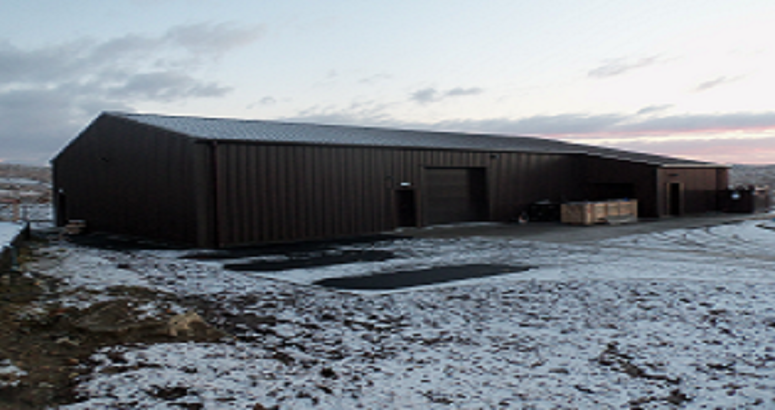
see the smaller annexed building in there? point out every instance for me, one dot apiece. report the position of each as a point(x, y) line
point(223, 182)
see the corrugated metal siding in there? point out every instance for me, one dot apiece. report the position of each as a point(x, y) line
point(128, 178)
point(700, 188)
point(271, 193)
point(521, 179)
point(285, 193)
point(642, 177)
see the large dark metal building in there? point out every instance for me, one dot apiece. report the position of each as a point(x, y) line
point(223, 182)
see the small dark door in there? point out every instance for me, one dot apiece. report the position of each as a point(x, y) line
point(406, 208)
point(454, 195)
point(61, 212)
point(674, 198)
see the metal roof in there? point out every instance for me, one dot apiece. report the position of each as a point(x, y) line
point(223, 129)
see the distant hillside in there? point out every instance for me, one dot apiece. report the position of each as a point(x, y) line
point(25, 183)
point(11, 171)
point(752, 175)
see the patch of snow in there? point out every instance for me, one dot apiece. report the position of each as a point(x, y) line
point(684, 318)
point(20, 181)
point(97, 271)
point(9, 231)
point(26, 211)
point(10, 375)
point(18, 193)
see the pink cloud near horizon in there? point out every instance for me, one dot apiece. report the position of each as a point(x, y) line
point(718, 149)
point(738, 137)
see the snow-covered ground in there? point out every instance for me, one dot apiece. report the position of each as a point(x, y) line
point(32, 212)
point(8, 233)
point(679, 318)
point(20, 181)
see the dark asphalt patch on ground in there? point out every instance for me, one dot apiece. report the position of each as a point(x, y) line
point(312, 260)
point(405, 279)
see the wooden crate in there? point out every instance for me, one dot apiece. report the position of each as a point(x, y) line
point(629, 208)
point(612, 208)
point(622, 208)
point(588, 213)
point(583, 213)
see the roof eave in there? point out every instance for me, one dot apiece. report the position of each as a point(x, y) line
point(694, 165)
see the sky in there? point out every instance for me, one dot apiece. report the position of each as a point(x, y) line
point(691, 79)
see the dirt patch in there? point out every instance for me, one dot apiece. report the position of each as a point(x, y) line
point(405, 279)
point(613, 358)
point(45, 347)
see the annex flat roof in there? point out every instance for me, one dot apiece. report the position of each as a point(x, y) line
point(225, 129)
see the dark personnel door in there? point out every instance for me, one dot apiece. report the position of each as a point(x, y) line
point(406, 209)
point(675, 199)
point(61, 209)
point(454, 195)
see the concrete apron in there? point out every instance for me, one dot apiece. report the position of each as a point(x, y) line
point(557, 232)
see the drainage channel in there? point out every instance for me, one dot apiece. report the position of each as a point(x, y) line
point(406, 279)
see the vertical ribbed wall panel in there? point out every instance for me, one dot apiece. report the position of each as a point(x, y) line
point(286, 193)
point(123, 177)
point(700, 188)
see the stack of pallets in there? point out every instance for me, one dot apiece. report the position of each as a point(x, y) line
point(589, 213)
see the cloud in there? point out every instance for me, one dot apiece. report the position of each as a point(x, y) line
point(265, 101)
point(37, 122)
point(430, 94)
point(458, 91)
point(604, 125)
point(700, 123)
point(39, 65)
point(719, 149)
point(49, 93)
point(744, 137)
point(537, 125)
point(167, 86)
point(707, 85)
point(268, 100)
point(372, 113)
point(212, 39)
point(425, 95)
point(653, 109)
point(621, 66)
point(586, 126)
point(360, 113)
